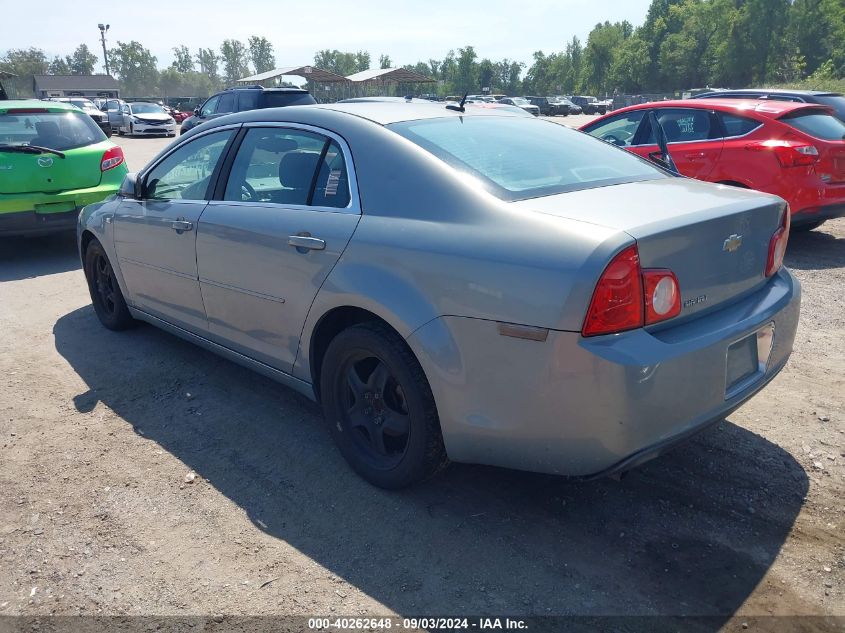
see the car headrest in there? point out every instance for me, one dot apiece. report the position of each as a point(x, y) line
point(47, 129)
point(296, 169)
point(275, 144)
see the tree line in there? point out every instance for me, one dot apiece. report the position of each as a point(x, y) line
point(681, 44)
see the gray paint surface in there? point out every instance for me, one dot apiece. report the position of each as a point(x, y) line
point(443, 262)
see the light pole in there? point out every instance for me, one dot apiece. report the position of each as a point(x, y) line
point(103, 29)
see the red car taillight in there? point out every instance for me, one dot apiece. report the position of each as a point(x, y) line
point(111, 159)
point(777, 245)
point(627, 297)
point(788, 153)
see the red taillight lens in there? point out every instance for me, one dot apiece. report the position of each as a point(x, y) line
point(111, 159)
point(788, 153)
point(662, 295)
point(777, 245)
point(27, 111)
point(617, 303)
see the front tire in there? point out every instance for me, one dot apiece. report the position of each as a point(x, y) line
point(380, 408)
point(104, 290)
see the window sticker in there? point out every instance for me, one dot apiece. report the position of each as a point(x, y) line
point(332, 182)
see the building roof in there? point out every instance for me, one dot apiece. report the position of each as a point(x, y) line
point(308, 72)
point(5, 74)
point(75, 82)
point(385, 75)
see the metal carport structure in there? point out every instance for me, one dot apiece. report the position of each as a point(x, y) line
point(386, 81)
point(319, 81)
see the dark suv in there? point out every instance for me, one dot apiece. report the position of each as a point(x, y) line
point(589, 105)
point(246, 98)
point(832, 99)
point(547, 106)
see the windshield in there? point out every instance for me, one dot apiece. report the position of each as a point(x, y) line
point(519, 100)
point(146, 108)
point(56, 130)
point(819, 124)
point(837, 102)
point(83, 103)
point(516, 158)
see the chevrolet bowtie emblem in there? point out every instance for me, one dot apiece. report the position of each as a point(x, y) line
point(732, 243)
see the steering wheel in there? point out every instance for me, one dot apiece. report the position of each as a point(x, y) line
point(610, 138)
point(247, 189)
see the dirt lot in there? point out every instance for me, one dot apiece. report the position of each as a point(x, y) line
point(98, 431)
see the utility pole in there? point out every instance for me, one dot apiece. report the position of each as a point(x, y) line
point(103, 29)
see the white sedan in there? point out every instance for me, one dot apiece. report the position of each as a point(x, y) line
point(144, 118)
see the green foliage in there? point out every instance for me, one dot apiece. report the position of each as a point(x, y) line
point(384, 61)
point(342, 63)
point(183, 61)
point(261, 53)
point(235, 60)
point(136, 68)
point(82, 61)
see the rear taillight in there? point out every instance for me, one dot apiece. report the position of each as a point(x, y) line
point(111, 159)
point(27, 111)
point(617, 303)
point(662, 295)
point(627, 297)
point(777, 245)
point(789, 153)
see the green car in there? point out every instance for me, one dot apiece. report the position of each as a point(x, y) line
point(54, 160)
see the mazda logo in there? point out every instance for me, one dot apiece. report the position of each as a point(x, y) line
point(45, 161)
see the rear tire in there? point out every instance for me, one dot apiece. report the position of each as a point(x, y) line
point(105, 291)
point(380, 408)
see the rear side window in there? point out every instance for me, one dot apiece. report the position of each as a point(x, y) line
point(288, 167)
point(247, 100)
point(281, 99)
point(738, 125)
point(819, 124)
point(56, 130)
point(227, 103)
point(683, 125)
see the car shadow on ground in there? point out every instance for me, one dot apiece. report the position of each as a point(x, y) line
point(815, 250)
point(693, 532)
point(27, 257)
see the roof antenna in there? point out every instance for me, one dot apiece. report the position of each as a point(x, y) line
point(460, 106)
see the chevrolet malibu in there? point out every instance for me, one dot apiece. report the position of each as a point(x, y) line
point(469, 286)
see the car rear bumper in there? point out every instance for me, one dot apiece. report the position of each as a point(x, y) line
point(35, 213)
point(593, 406)
point(816, 214)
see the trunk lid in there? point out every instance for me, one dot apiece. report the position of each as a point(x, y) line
point(715, 239)
point(48, 173)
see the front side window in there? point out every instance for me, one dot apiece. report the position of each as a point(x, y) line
point(619, 130)
point(683, 125)
point(186, 173)
point(289, 167)
point(516, 158)
point(209, 106)
point(56, 130)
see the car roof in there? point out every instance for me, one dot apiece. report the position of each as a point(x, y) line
point(780, 91)
point(763, 107)
point(50, 106)
point(387, 112)
point(263, 89)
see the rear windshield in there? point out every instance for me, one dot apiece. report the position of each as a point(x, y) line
point(837, 102)
point(519, 158)
point(818, 124)
point(56, 130)
point(280, 99)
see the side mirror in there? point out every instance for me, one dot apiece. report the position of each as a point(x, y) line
point(197, 111)
point(130, 187)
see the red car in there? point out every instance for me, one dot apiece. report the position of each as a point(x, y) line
point(177, 115)
point(793, 150)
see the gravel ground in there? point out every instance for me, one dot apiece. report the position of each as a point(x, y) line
point(143, 475)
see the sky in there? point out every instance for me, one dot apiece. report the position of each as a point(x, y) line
point(407, 31)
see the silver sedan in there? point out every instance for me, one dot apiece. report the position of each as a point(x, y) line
point(471, 286)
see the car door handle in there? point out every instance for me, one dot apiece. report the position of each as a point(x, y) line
point(306, 242)
point(181, 225)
